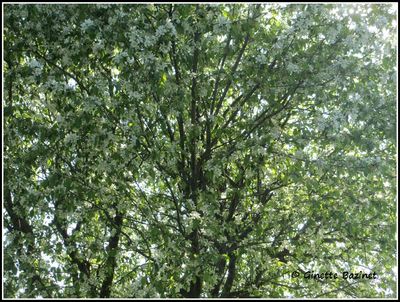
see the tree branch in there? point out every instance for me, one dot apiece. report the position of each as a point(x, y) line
point(111, 261)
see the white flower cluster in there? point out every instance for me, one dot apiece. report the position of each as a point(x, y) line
point(261, 58)
point(194, 215)
point(331, 35)
point(293, 67)
point(71, 138)
point(36, 66)
point(321, 123)
point(149, 41)
point(134, 94)
point(85, 25)
point(120, 57)
point(161, 30)
point(66, 59)
point(222, 25)
point(98, 46)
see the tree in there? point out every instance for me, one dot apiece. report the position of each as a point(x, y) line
point(199, 150)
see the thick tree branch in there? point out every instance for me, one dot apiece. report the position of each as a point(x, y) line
point(111, 261)
point(231, 275)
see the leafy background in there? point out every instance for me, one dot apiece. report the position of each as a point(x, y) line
point(199, 150)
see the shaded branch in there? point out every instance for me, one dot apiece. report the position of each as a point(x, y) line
point(111, 261)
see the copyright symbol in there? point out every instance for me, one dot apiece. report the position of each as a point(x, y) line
point(295, 274)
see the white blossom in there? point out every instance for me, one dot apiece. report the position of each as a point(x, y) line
point(85, 25)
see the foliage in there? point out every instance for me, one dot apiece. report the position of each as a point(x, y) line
point(199, 150)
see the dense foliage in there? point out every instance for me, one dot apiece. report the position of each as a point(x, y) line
point(199, 150)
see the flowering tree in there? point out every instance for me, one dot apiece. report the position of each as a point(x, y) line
point(199, 150)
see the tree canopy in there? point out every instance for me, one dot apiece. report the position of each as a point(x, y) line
point(199, 150)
